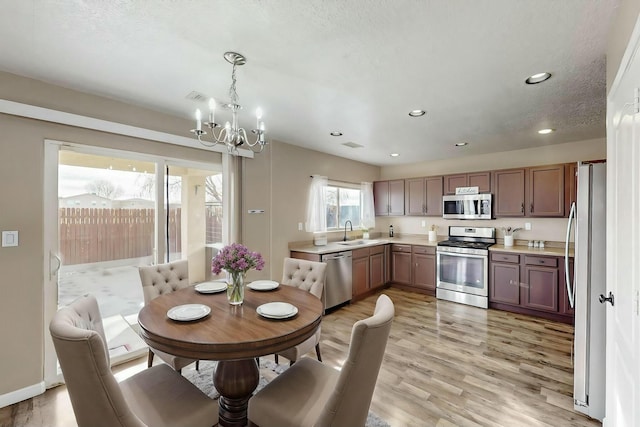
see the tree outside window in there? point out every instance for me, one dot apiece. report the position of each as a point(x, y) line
point(342, 204)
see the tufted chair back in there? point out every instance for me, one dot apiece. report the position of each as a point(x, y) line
point(306, 275)
point(312, 394)
point(155, 397)
point(163, 278)
point(78, 337)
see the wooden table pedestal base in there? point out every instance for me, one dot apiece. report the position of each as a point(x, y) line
point(235, 380)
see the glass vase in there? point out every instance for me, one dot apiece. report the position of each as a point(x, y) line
point(235, 287)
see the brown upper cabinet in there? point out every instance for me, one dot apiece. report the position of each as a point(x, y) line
point(423, 196)
point(546, 191)
point(482, 180)
point(388, 197)
point(508, 199)
point(540, 191)
point(530, 192)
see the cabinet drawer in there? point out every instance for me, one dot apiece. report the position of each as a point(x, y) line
point(430, 250)
point(376, 249)
point(539, 260)
point(360, 253)
point(400, 248)
point(502, 257)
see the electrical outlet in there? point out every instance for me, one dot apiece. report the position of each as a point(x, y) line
point(527, 226)
point(424, 223)
point(299, 226)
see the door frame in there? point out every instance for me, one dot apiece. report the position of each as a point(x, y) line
point(51, 261)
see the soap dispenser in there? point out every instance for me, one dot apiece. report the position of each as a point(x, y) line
point(391, 231)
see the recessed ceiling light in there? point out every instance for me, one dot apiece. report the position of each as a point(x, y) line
point(417, 113)
point(545, 131)
point(394, 154)
point(537, 78)
point(461, 144)
point(336, 134)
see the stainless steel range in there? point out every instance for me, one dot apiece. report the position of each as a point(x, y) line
point(463, 265)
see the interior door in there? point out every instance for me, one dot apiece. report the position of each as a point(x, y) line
point(623, 243)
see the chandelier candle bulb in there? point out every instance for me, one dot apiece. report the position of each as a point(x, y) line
point(212, 109)
point(258, 117)
point(198, 120)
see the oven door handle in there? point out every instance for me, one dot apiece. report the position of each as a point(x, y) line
point(457, 254)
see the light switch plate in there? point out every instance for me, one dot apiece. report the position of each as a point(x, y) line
point(9, 238)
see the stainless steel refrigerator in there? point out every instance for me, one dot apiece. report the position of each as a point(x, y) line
point(587, 287)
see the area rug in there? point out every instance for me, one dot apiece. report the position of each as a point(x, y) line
point(203, 379)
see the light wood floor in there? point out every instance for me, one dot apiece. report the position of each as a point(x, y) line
point(446, 364)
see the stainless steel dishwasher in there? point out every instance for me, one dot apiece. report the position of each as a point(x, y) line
point(337, 286)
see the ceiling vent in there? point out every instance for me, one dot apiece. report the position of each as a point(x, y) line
point(352, 145)
point(197, 96)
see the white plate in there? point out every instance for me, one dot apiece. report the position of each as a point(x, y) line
point(188, 312)
point(277, 310)
point(263, 285)
point(211, 287)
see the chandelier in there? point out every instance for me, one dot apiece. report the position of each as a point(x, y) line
point(230, 134)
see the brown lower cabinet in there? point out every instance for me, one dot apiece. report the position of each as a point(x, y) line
point(360, 271)
point(368, 270)
point(414, 267)
point(423, 260)
point(529, 284)
point(401, 264)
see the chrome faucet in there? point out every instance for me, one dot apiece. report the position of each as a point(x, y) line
point(345, 229)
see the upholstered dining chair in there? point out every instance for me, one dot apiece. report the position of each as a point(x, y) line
point(162, 279)
point(311, 393)
point(309, 276)
point(156, 397)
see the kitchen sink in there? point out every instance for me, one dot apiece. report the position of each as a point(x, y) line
point(358, 242)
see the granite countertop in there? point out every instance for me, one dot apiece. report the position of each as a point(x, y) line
point(547, 250)
point(550, 249)
point(338, 247)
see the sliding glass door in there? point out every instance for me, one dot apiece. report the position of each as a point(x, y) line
point(108, 213)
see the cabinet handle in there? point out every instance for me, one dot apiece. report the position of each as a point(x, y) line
point(531, 207)
point(522, 207)
point(541, 261)
point(424, 208)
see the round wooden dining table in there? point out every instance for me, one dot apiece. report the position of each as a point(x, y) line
point(233, 335)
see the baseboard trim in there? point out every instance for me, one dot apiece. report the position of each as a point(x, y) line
point(22, 394)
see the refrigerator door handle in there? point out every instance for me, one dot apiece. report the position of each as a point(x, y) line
point(570, 288)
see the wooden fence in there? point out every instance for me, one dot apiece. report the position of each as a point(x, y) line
point(94, 234)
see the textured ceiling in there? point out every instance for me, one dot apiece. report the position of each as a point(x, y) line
point(318, 66)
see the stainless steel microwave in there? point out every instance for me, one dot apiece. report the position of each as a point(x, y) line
point(467, 206)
